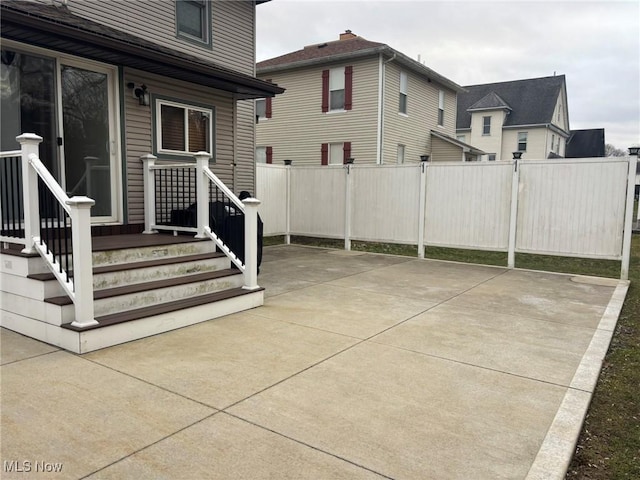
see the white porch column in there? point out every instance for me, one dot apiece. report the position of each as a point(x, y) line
point(29, 144)
point(202, 193)
point(82, 262)
point(251, 243)
point(148, 180)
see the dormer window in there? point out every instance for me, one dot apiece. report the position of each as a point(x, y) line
point(193, 20)
point(486, 125)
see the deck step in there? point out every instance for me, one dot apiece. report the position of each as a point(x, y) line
point(129, 297)
point(168, 307)
point(110, 276)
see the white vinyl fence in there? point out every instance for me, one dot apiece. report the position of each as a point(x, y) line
point(567, 207)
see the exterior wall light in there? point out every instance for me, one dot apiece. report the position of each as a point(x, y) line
point(517, 155)
point(424, 158)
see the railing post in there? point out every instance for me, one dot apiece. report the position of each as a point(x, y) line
point(82, 261)
point(513, 218)
point(347, 207)
point(202, 193)
point(628, 221)
point(148, 177)
point(29, 144)
point(287, 235)
point(422, 207)
point(251, 243)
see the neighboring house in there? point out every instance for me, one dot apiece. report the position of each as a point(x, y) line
point(354, 98)
point(530, 116)
point(585, 143)
point(106, 82)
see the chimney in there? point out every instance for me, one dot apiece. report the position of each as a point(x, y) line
point(347, 35)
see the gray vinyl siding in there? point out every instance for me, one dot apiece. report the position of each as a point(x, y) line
point(233, 36)
point(414, 129)
point(442, 151)
point(298, 126)
point(138, 130)
point(245, 148)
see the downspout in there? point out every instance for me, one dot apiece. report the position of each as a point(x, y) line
point(381, 85)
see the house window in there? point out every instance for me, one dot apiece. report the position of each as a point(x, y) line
point(492, 157)
point(261, 108)
point(553, 143)
point(486, 125)
point(404, 88)
point(522, 141)
point(400, 154)
point(261, 154)
point(336, 153)
point(183, 129)
point(336, 88)
point(193, 20)
point(441, 108)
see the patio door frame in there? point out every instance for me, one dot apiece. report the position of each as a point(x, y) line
point(113, 99)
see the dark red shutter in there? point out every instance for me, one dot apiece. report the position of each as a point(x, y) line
point(324, 154)
point(269, 154)
point(268, 107)
point(267, 103)
point(346, 149)
point(325, 90)
point(348, 87)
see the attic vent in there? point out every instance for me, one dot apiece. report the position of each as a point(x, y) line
point(322, 45)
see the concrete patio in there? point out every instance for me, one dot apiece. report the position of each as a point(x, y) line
point(357, 366)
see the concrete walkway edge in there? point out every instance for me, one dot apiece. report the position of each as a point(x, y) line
point(558, 447)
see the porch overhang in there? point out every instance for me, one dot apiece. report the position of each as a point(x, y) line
point(56, 28)
point(466, 148)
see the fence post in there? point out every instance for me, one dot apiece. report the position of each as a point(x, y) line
point(347, 208)
point(287, 235)
point(29, 144)
point(515, 185)
point(422, 207)
point(251, 243)
point(82, 260)
point(148, 180)
point(628, 217)
point(202, 193)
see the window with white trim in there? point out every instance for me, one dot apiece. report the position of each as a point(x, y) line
point(261, 154)
point(183, 129)
point(400, 160)
point(486, 125)
point(336, 153)
point(404, 89)
point(553, 142)
point(193, 20)
point(261, 108)
point(492, 157)
point(522, 141)
point(336, 88)
point(441, 108)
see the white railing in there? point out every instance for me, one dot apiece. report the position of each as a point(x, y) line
point(78, 284)
point(201, 188)
point(564, 207)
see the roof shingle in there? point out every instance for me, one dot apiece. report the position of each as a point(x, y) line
point(532, 101)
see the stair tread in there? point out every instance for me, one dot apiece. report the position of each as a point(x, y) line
point(142, 287)
point(134, 265)
point(122, 317)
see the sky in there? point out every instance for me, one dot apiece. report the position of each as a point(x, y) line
point(596, 45)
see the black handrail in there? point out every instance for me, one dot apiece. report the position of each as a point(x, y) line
point(12, 214)
point(55, 229)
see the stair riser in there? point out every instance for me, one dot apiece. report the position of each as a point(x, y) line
point(132, 301)
point(22, 266)
point(30, 288)
point(149, 274)
point(36, 309)
point(130, 255)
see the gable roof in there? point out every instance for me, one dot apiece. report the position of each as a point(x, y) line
point(490, 101)
point(532, 101)
point(585, 143)
point(350, 47)
point(55, 27)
